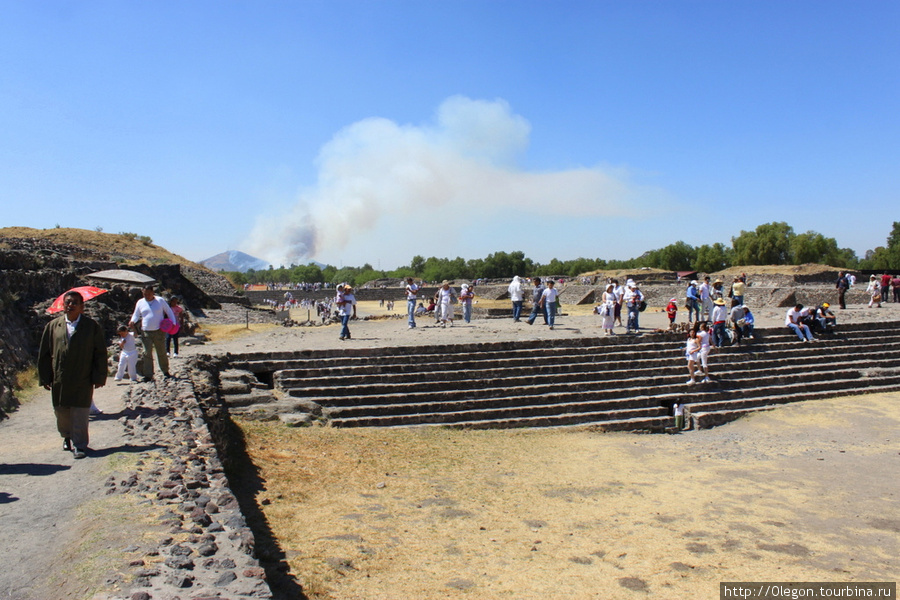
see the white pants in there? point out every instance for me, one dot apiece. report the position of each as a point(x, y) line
point(127, 360)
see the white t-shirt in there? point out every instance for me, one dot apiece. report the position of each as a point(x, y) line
point(549, 295)
point(411, 290)
point(347, 307)
point(128, 344)
point(793, 316)
point(703, 338)
point(151, 314)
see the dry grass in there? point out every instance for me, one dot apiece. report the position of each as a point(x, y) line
point(112, 244)
point(435, 513)
point(227, 332)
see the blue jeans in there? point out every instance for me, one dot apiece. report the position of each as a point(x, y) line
point(411, 312)
point(535, 311)
point(801, 331)
point(550, 312)
point(633, 320)
point(517, 309)
point(719, 335)
point(345, 330)
point(693, 306)
point(467, 312)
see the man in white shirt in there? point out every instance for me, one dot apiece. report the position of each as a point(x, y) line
point(793, 320)
point(411, 291)
point(706, 301)
point(150, 311)
point(548, 302)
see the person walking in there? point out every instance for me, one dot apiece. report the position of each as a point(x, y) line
point(536, 294)
point(346, 305)
point(608, 309)
point(465, 299)
point(128, 354)
point(178, 311)
point(517, 296)
point(412, 291)
point(150, 311)
point(885, 287)
point(447, 297)
point(632, 299)
point(874, 291)
point(692, 353)
point(692, 301)
point(842, 285)
point(619, 292)
point(72, 364)
point(548, 302)
point(703, 337)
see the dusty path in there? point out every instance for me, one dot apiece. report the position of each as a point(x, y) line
point(45, 495)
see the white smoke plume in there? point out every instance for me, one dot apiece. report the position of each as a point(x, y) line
point(375, 174)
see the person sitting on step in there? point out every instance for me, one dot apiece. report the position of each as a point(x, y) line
point(794, 321)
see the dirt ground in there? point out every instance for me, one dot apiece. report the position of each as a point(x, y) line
point(806, 492)
point(803, 492)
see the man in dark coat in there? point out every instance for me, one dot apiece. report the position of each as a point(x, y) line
point(71, 364)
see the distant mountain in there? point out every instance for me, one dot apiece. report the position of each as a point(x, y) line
point(234, 260)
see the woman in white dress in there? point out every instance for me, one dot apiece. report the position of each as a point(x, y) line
point(608, 309)
point(446, 299)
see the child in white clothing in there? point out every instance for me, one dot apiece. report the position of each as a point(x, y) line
point(128, 354)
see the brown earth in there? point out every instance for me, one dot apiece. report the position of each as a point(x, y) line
point(132, 251)
point(807, 492)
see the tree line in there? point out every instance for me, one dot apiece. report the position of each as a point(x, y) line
point(769, 244)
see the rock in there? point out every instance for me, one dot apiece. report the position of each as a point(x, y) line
point(226, 578)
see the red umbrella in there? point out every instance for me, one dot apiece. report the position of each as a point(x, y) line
point(87, 292)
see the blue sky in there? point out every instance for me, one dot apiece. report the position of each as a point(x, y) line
point(373, 131)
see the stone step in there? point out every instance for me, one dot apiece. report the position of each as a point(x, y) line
point(473, 379)
point(624, 382)
point(306, 360)
point(704, 398)
point(496, 419)
point(633, 395)
point(493, 370)
point(710, 414)
point(598, 386)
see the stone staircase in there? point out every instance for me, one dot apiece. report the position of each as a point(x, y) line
point(610, 383)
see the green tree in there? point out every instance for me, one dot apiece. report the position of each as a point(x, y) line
point(893, 247)
point(713, 258)
point(769, 244)
point(675, 257)
point(813, 247)
point(417, 265)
